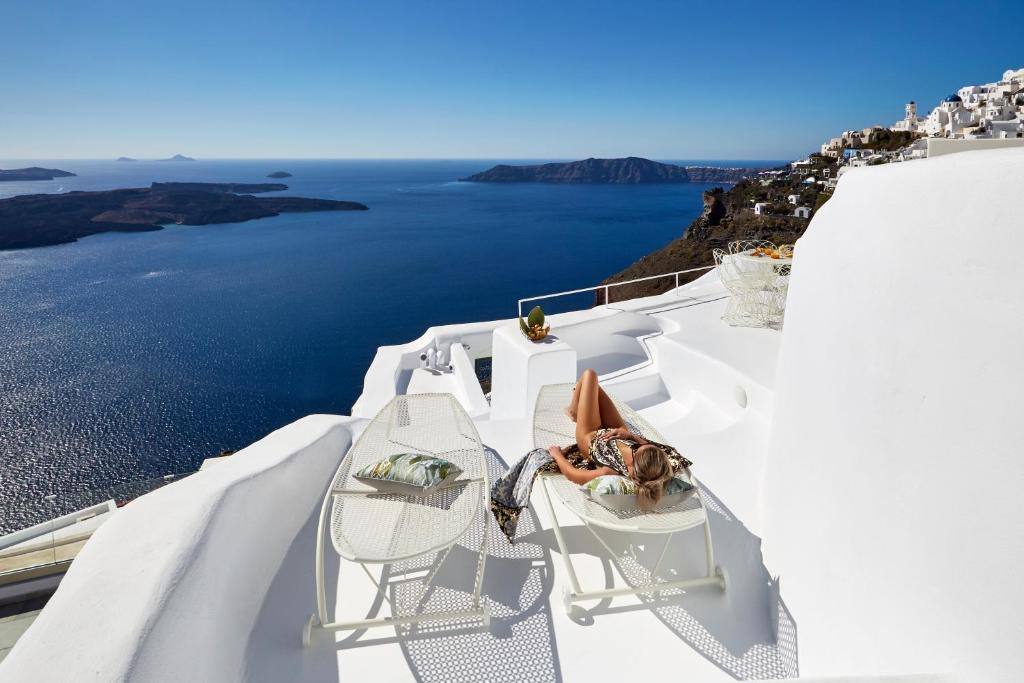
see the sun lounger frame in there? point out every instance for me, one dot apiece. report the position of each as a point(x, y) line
point(553, 427)
point(446, 431)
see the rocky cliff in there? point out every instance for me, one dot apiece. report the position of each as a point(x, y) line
point(631, 170)
point(728, 215)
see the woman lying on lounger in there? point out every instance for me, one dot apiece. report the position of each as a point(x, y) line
point(603, 438)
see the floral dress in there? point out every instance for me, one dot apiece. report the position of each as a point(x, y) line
point(606, 453)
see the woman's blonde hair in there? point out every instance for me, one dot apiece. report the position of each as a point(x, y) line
point(652, 470)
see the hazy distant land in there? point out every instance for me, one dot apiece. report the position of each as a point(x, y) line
point(44, 219)
point(33, 173)
point(630, 170)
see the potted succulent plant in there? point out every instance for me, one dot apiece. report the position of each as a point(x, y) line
point(533, 328)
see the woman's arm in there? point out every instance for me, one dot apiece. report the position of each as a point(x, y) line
point(573, 474)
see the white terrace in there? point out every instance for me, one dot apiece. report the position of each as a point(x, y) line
point(861, 469)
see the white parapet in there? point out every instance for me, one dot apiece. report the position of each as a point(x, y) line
point(172, 587)
point(393, 368)
point(940, 146)
point(521, 367)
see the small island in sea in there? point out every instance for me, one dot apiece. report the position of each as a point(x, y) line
point(630, 170)
point(33, 173)
point(126, 159)
point(178, 157)
point(279, 174)
point(44, 219)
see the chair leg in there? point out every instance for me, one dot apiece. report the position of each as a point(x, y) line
point(481, 564)
point(661, 557)
point(319, 620)
point(321, 597)
point(714, 571)
point(714, 577)
point(562, 548)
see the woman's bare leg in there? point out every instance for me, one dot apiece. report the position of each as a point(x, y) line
point(588, 409)
point(574, 403)
point(609, 413)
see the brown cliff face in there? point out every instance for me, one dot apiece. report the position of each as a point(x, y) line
point(727, 216)
point(714, 211)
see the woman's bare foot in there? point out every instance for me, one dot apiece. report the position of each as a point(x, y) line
point(570, 410)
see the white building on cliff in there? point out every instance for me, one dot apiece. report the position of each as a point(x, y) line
point(987, 111)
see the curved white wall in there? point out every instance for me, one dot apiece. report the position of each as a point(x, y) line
point(170, 588)
point(895, 493)
point(392, 366)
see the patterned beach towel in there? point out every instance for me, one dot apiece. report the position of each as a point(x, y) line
point(510, 493)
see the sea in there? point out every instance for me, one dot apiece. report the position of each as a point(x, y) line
point(128, 357)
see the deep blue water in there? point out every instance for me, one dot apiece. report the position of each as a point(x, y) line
point(128, 356)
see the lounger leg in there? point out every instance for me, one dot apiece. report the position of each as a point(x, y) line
point(713, 570)
point(573, 579)
point(319, 620)
point(321, 599)
point(381, 589)
point(481, 566)
point(657, 566)
point(714, 577)
point(481, 560)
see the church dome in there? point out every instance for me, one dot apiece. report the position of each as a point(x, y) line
point(953, 98)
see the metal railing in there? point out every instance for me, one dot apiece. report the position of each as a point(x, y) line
point(608, 286)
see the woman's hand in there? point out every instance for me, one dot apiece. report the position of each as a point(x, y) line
point(574, 475)
point(617, 433)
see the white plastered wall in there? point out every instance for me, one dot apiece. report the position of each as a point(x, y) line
point(895, 488)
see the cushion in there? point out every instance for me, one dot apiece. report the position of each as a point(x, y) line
point(618, 493)
point(410, 474)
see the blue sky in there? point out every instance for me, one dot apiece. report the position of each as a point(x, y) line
point(482, 79)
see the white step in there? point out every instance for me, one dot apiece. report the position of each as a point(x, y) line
point(639, 391)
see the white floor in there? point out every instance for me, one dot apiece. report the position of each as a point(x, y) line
point(11, 629)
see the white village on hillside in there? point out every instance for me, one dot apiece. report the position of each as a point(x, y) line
point(975, 117)
point(984, 116)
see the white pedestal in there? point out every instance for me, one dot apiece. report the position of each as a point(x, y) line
point(521, 367)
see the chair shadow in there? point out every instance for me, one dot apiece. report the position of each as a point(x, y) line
point(747, 631)
point(518, 579)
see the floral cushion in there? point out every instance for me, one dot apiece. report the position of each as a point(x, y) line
point(408, 473)
point(618, 493)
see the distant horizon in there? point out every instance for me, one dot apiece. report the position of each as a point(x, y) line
point(661, 159)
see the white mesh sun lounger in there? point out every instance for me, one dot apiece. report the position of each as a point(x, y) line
point(551, 426)
point(369, 527)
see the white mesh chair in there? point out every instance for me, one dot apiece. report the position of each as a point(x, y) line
point(758, 289)
point(369, 527)
point(551, 426)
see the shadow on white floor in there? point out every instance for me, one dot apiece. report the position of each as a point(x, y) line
point(745, 632)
